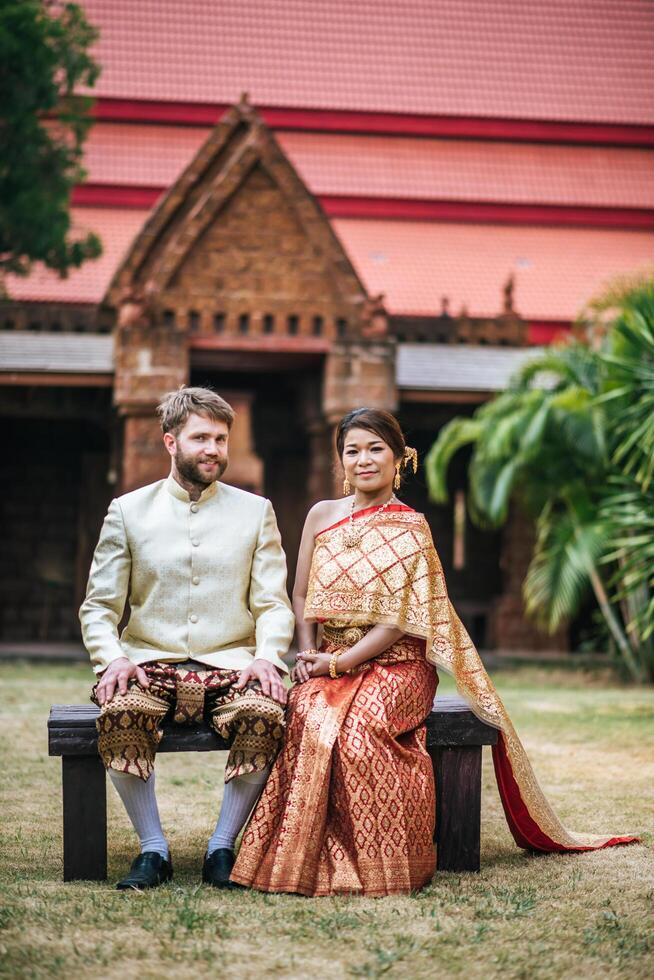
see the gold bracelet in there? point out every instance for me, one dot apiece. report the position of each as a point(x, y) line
point(332, 666)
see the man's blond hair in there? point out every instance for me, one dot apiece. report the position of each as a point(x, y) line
point(176, 406)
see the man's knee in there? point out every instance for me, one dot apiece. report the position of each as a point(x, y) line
point(255, 723)
point(135, 702)
point(251, 711)
point(128, 731)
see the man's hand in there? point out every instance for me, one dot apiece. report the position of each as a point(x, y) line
point(118, 674)
point(268, 676)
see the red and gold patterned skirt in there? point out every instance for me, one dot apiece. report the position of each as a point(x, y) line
point(349, 805)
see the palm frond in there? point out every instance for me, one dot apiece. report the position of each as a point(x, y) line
point(628, 510)
point(629, 370)
point(579, 427)
point(572, 363)
point(491, 486)
point(556, 580)
point(459, 432)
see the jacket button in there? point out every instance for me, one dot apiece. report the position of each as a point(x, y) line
point(194, 508)
point(193, 618)
point(196, 580)
point(195, 542)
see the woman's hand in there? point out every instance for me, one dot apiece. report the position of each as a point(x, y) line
point(316, 663)
point(301, 672)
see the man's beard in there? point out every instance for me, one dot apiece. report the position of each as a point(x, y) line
point(188, 468)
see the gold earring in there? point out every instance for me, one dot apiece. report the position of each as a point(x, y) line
point(347, 489)
point(397, 480)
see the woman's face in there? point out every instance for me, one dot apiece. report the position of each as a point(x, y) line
point(368, 461)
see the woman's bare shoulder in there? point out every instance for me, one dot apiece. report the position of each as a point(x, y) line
point(326, 512)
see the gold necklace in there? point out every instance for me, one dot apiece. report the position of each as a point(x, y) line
point(353, 533)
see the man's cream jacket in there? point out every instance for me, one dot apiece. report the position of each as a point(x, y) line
point(205, 580)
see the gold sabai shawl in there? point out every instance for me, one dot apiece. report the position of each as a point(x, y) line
point(394, 577)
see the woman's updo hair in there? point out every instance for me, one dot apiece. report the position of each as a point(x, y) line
point(382, 423)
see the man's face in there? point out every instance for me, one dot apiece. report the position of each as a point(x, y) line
point(199, 449)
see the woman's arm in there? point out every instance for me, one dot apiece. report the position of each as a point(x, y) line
point(378, 639)
point(306, 632)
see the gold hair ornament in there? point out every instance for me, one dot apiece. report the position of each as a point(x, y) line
point(410, 458)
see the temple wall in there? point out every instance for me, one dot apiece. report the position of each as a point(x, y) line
point(54, 491)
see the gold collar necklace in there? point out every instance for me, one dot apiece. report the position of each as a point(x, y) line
point(353, 533)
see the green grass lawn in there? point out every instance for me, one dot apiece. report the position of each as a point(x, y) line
point(591, 742)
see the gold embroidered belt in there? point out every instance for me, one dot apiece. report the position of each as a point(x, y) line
point(344, 637)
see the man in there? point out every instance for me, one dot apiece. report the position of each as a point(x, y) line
point(202, 566)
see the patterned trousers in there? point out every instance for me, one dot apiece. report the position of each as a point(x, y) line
point(129, 729)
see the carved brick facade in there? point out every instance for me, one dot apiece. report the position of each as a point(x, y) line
point(237, 268)
point(239, 253)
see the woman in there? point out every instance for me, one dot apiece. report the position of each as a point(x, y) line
point(349, 805)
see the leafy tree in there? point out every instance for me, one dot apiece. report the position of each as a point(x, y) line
point(43, 59)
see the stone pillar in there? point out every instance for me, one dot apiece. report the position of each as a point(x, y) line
point(150, 359)
point(322, 458)
point(319, 442)
point(245, 468)
point(510, 627)
point(144, 458)
point(358, 374)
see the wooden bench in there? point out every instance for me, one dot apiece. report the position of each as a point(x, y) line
point(454, 741)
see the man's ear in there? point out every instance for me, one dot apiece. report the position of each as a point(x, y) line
point(170, 443)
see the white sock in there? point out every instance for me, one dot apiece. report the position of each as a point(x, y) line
point(140, 801)
point(241, 793)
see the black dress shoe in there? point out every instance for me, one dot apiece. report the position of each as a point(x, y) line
point(148, 870)
point(218, 867)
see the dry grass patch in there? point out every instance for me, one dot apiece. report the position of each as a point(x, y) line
point(522, 916)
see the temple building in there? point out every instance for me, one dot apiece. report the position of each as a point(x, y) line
point(313, 206)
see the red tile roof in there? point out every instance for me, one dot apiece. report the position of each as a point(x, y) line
point(397, 167)
point(588, 60)
point(116, 227)
point(140, 155)
point(414, 263)
point(556, 270)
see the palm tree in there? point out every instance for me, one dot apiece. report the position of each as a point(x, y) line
point(628, 361)
point(543, 441)
point(628, 512)
point(628, 506)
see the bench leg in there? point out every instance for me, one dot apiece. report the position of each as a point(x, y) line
point(85, 818)
point(457, 771)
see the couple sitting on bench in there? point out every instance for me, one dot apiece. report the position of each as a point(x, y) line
point(337, 771)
